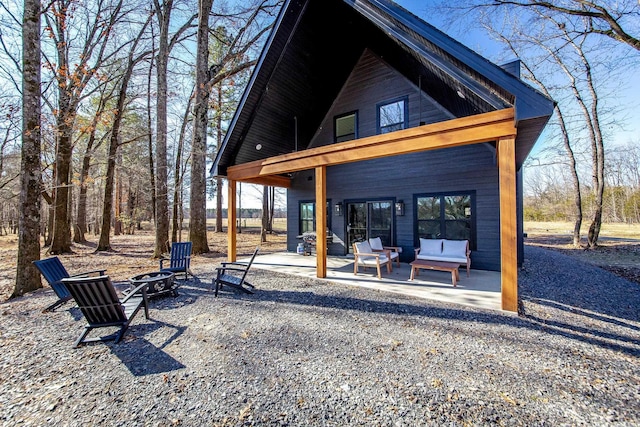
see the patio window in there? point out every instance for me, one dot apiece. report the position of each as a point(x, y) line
point(346, 127)
point(446, 216)
point(392, 115)
point(308, 216)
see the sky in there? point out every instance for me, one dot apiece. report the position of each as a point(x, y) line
point(629, 99)
point(478, 41)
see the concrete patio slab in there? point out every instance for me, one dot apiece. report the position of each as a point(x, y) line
point(481, 289)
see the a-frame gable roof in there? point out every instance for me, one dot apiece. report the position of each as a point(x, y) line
point(313, 48)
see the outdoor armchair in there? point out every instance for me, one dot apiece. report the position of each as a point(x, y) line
point(179, 259)
point(366, 257)
point(233, 274)
point(97, 299)
point(53, 271)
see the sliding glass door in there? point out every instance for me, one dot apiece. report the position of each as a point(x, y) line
point(369, 219)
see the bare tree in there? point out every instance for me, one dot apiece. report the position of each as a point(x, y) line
point(178, 177)
point(93, 143)
point(616, 20)
point(133, 59)
point(73, 72)
point(165, 44)
point(234, 60)
point(563, 129)
point(27, 276)
point(265, 214)
point(562, 41)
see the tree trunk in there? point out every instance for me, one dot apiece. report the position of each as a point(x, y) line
point(117, 228)
point(61, 233)
point(162, 202)
point(81, 215)
point(219, 204)
point(152, 174)
point(272, 204)
point(265, 213)
point(197, 201)
point(219, 179)
point(177, 180)
point(27, 275)
point(104, 244)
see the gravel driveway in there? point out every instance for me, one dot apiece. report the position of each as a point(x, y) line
point(305, 352)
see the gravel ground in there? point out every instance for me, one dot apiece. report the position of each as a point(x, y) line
point(305, 352)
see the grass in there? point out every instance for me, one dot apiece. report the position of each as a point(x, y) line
point(609, 230)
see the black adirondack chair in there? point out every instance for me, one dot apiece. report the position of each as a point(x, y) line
point(233, 274)
point(179, 259)
point(53, 271)
point(97, 299)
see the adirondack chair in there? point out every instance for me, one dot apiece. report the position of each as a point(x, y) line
point(53, 271)
point(97, 299)
point(179, 259)
point(233, 274)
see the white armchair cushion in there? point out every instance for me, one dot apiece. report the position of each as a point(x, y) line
point(371, 260)
point(455, 248)
point(365, 248)
point(430, 246)
point(376, 244)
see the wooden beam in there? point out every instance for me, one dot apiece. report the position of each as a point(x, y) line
point(321, 221)
point(452, 133)
point(231, 222)
point(508, 224)
point(272, 181)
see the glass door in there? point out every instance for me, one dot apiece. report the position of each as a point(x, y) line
point(369, 219)
point(356, 224)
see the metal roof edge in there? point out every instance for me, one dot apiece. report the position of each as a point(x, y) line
point(462, 53)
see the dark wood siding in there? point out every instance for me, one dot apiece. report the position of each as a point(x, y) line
point(371, 82)
point(471, 168)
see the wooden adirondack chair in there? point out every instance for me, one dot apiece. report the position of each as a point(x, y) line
point(179, 259)
point(233, 274)
point(53, 271)
point(97, 299)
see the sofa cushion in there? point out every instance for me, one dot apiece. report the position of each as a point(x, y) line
point(443, 258)
point(456, 248)
point(430, 246)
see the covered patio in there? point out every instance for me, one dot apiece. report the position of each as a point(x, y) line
point(480, 290)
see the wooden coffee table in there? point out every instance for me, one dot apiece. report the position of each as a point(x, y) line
point(436, 265)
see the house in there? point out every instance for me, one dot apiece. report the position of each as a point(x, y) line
point(395, 128)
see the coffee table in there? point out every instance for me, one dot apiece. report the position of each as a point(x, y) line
point(436, 265)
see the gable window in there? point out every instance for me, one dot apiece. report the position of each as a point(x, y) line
point(392, 115)
point(346, 127)
point(446, 216)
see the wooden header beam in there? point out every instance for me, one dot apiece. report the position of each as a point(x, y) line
point(452, 133)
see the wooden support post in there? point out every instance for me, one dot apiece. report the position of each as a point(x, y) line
point(321, 221)
point(231, 221)
point(508, 223)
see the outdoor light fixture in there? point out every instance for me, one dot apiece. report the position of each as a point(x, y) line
point(400, 208)
point(339, 208)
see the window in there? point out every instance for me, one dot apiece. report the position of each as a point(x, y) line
point(307, 217)
point(346, 127)
point(446, 216)
point(392, 116)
